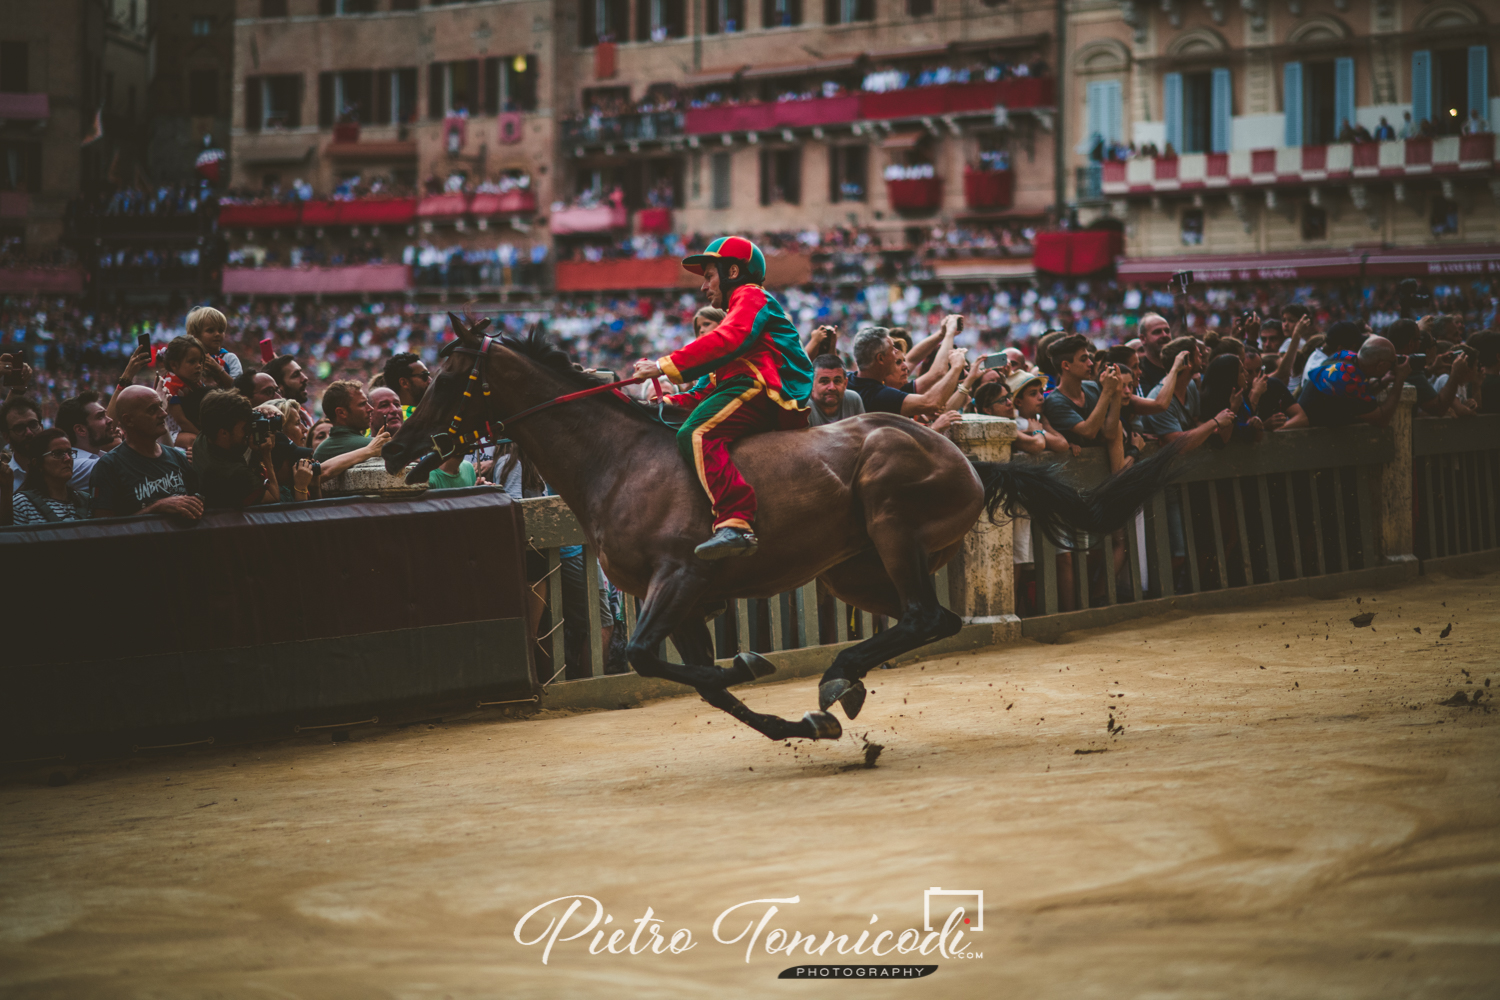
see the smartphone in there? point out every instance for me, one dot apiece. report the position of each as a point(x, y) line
point(13, 378)
point(267, 350)
point(990, 361)
point(142, 340)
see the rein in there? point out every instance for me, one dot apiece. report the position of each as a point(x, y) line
point(456, 439)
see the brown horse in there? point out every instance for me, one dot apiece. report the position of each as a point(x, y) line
point(871, 506)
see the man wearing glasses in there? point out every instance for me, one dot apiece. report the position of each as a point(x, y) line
point(22, 421)
point(408, 376)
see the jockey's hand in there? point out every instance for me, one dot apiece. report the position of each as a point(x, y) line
point(646, 368)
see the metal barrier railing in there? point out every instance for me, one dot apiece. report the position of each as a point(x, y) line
point(1456, 474)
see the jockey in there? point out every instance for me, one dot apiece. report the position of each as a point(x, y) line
point(751, 375)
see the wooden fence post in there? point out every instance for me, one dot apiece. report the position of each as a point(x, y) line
point(983, 575)
point(1394, 495)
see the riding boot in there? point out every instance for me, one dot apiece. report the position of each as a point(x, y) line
point(728, 542)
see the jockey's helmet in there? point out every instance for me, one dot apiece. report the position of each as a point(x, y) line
point(735, 248)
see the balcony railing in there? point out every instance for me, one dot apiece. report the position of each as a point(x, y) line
point(643, 127)
point(1396, 160)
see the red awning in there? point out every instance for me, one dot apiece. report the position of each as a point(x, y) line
point(1077, 252)
point(1419, 261)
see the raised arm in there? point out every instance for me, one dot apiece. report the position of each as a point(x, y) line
point(1289, 356)
point(935, 400)
point(946, 333)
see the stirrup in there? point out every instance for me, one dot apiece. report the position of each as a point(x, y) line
point(728, 542)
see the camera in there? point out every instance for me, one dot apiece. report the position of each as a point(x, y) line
point(262, 427)
point(1414, 299)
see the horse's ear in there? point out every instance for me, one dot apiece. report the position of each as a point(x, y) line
point(466, 334)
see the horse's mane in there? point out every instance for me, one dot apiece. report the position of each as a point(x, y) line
point(537, 346)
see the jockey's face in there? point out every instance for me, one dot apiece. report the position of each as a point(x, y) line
point(711, 288)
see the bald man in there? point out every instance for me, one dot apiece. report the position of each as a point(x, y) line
point(385, 411)
point(1154, 332)
point(1343, 389)
point(144, 476)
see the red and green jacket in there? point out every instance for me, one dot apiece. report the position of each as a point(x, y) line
point(756, 340)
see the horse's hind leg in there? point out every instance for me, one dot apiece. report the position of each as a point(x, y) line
point(897, 584)
point(669, 609)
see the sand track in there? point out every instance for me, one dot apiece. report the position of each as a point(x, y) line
point(1282, 814)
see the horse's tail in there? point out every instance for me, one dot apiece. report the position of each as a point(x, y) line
point(1035, 490)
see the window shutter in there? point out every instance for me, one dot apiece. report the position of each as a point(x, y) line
point(1172, 109)
point(435, 96)
point(1222, 111)
point(1114, 112)
point(1291, 99)
point(1343, 94)
point(325, 100)
point(1093, 118)
point(721, 180)
point(1421, 86)
point(793, 181)
point(253, 114)
point(1479, 80)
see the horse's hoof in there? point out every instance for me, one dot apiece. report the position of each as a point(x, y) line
point(831, 691)
point(853, 699)
point(824, 726)
point(753, 664)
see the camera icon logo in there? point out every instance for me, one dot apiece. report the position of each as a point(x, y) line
point(977, 895)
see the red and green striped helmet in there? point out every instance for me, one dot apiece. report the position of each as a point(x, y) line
point(735, 248)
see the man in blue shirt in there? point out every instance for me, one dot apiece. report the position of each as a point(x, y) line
point(875, 356)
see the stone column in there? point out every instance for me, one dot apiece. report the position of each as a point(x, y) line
point(1393, 495)
point(982, 576)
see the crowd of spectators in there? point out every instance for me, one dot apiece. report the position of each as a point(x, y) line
point(887, 78)
point(181, 199)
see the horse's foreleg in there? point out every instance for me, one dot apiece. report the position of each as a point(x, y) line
point(895, 583)
point(671, 608)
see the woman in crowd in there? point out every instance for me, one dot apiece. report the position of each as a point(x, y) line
point(319, 432)
point(46, 493)
point(1224, 388)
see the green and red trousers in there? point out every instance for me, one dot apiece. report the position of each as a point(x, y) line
point(727, 412)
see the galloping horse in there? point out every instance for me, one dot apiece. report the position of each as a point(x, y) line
point(871, 506)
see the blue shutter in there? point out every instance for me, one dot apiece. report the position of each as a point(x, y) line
point(1343, 94)
point(1094, 125)
point(1114, 113)
point(1421, 86)
point(1221, 110)
point(1479, 80)
point(1172, 109)
point(1291, 98)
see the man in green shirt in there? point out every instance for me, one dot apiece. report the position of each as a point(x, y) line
point(345, 406)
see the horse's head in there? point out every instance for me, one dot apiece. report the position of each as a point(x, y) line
point(443, 400)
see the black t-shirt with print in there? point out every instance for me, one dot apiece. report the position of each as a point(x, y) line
point(124, 480)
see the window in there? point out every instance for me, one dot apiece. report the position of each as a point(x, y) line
point(781, 13)
point(273, 8)
point(1444, 216)
point(918, 8)
point(848, 11)
point(395, 96)
point(1192, 227)
point(848, 173)
point(330, 8)
point(453, 87)
point(1447, 85)
point(659, 20)
point(781, 176)
point(14, 68)
point(721, 179)
point(1318, 98)
point(724, 17)
point(604, 21)
point(21, 166)
point(510, 84)
point(203, 92)
point(1104, 119)
point(1197, 108)
point(273, 102)
point(1314, 223)
point(203, 27)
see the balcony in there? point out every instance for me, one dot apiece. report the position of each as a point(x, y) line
point(1398, 160)
point(350, 280)
point(647, 126)
point(916, 196)
point(988, 190)
point(598, 219)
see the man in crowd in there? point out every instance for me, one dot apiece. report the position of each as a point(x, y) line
point(142, 475)
point(258, 387)
point(876, 357)
point(408, 377)
point(386, 411)
point(1084, 411)
point(344, 404)
point(1343, 389)
point(23, 421)
point(224, 476)
point(830, 399)
point(291, 380)
point(91, 430)
point(1154, 331)
point(1182, 419)
point(1406, 337)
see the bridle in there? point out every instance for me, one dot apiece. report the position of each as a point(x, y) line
point(458, 438)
